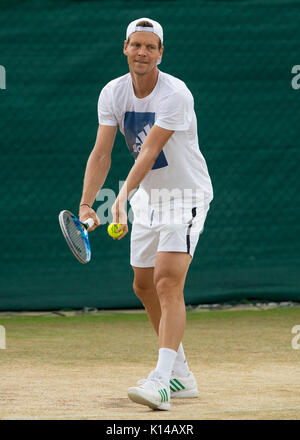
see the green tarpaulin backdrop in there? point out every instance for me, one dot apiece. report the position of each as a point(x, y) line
point(237, 58)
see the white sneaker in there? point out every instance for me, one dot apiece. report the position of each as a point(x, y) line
point(151, 392)
point(183, 387)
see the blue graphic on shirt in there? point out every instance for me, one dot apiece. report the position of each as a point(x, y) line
point(136, 127)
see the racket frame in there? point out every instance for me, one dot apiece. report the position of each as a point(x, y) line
point(83, 232)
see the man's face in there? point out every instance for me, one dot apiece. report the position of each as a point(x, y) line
point(142, 52)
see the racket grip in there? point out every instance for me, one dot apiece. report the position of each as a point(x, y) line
point(89, 223)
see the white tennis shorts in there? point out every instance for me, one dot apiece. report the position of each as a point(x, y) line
point(175, 230)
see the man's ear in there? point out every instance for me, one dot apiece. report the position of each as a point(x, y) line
point(161, 53)
point(125, 47)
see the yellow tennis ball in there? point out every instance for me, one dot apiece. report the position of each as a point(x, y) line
point(112, 230)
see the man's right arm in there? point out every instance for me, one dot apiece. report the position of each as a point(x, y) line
point(96, 171)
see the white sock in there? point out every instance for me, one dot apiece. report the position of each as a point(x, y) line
point(180, 366)
point(164, 367)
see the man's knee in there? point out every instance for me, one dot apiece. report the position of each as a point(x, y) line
point(168, 289)
point(142, 291)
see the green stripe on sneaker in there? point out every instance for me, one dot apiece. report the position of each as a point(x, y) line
point(180, 384)
point(172, 389)
point(161, 395)
point(174, 385)
point(166, 394)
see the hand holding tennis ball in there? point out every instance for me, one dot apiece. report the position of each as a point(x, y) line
point(112, 228)
point(119, 216)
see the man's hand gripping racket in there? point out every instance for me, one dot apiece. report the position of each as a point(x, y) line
point(75, 232)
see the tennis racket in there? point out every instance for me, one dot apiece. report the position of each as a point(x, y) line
point(76, 235)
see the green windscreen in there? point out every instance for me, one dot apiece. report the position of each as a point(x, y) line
point(236, 57)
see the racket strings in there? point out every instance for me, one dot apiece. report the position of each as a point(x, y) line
point(74, 231)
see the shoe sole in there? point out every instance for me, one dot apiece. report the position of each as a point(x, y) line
point(190, 394)
point(138, 397)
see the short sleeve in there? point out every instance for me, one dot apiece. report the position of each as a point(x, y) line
point(176, 111)
point(105, 108)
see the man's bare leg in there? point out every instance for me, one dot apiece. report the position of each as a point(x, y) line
point(169, 278)
point(161, 291)
point(145, 290)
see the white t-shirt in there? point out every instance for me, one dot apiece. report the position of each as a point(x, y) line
point(180, 169)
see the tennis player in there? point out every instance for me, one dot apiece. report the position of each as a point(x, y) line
point(155, 113)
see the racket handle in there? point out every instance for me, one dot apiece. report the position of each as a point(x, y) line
point(89, 223)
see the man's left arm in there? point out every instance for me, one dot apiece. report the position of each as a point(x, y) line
point(152, 146)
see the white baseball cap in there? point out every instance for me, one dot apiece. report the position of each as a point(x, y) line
point(156, 29)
